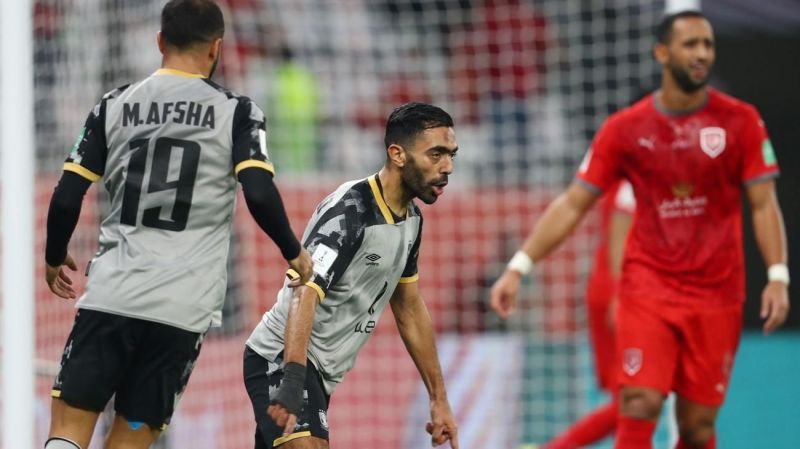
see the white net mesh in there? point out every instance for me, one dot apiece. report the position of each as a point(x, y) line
point(527, 83)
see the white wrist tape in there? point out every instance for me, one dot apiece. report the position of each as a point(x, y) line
point(778, 272)
point(521, 263)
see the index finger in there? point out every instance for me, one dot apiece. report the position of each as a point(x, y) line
point(290, 423)
point(453, 434)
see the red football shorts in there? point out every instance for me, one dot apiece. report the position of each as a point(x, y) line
point(603, 343)
point(673, 347)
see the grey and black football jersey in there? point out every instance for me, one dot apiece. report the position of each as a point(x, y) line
point(361, 251)
point(167, 150)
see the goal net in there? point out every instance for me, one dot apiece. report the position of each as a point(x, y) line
point(527, 82)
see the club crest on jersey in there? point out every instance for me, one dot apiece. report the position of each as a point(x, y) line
point(712, 141)
point(632, 361)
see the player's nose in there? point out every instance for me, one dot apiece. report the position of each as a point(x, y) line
point(446, 166)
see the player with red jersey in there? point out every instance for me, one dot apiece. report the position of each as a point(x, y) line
point(617, 208)
point(689, 152)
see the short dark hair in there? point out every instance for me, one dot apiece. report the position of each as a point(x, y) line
point(410, 119)
point(188, 22)
point(664, 28)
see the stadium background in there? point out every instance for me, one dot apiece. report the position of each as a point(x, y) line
point(527, 82)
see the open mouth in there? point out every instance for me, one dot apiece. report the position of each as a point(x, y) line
point(438, 189)
point(699, 70)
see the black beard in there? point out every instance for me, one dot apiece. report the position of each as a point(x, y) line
point(685, 82)
point(414, 182)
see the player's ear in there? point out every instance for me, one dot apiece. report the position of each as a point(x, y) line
point(161, 45)
point(216, 47)
point(661, 53)
point(396, 154)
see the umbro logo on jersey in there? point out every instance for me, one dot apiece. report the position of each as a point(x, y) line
point(372, 258)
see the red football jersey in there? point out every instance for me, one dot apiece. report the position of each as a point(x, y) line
point(687, 172)
point(618, 199)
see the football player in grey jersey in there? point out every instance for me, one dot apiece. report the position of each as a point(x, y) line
point(364, 239)
point(169, 150)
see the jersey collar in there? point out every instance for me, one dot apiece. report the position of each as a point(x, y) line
point(163, 71)
point(377, 192)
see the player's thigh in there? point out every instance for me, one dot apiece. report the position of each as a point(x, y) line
point(122, 435)
point(261, 377)
point(95, 358)
point(158, 374)
point(710, 339)
point(647, 345)
point(71, 423)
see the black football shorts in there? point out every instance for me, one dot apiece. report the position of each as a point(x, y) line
point(144, 363)
point(262, 376)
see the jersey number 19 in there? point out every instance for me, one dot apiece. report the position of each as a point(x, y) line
point(159, 171)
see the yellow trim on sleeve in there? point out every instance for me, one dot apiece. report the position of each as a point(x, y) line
point(317, 288)
point(81, 170)
point(290, 437)
point(294, 275)
point(376, 192)
point(55, 393)
point(409, 279)
point(164, 71)
point(254, 163)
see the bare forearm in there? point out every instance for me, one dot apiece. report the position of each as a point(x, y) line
point(299, 324)
point(770, 233)
point(559, 220)
point(416, 330)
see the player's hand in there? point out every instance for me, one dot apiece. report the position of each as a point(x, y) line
point(304, 266)
point(282, 418)
point(58, 280)
point(774, 305)
point(503, 296)
point(442, 426)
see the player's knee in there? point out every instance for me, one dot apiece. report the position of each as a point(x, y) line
point(641, 403)
point(61, 443)
point(697, 432)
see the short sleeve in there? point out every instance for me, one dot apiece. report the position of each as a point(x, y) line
point(332, 242)
point(88, 155)
point(758, 157)
point(250, 137)
point(600, 168)
point(411, 271)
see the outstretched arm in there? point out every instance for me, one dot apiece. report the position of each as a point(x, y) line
point(62, 218)
point(266, 206)
point(287, 402)
point(771, 238)
point(558, 221)
point(416, 330)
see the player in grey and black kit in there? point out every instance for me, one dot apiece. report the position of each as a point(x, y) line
point(364, 239)
point(169, 149)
